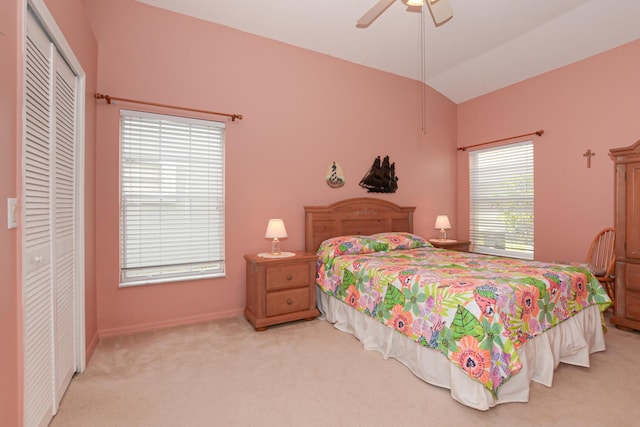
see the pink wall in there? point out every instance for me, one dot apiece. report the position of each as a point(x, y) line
point(10, 359)
point(591, 104)
point(302, 110)
point(73, 23)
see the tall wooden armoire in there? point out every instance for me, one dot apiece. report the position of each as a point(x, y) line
point(627, 223)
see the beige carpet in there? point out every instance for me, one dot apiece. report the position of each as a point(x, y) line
point(222, 373)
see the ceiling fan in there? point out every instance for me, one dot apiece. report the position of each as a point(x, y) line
point(440, 11)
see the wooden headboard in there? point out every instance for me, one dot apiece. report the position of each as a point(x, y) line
point(363, 215)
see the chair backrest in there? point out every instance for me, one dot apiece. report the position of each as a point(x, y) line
point(602, 253)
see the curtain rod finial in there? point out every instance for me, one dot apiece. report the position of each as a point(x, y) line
point(105, 97)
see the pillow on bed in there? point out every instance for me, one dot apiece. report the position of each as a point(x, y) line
point(349, 245)
point(401, 240)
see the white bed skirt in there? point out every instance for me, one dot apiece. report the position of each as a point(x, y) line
point(570, 342)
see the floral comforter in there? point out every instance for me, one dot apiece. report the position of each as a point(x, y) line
point(477, 310)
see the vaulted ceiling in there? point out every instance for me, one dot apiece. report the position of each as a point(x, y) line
point(487, 45)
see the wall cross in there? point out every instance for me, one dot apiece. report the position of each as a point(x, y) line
point(589, 154)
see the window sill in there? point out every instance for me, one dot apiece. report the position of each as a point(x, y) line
point(145, 282)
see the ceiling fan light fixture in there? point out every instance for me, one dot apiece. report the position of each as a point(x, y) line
point(440, 10)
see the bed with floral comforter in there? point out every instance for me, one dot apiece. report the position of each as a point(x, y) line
point(477, 311)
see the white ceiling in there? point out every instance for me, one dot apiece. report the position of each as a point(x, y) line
point(489, 44)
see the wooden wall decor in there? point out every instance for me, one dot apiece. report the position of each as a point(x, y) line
point(589, 154)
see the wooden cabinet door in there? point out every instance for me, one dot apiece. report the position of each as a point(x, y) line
point(633, 211)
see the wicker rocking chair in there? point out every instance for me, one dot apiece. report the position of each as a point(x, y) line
point(602, 259)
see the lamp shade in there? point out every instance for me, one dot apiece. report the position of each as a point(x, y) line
point(414, 2)
point(276, 229)
point(442, 222)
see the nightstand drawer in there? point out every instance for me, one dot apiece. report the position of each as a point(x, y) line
point(287, 277)
point(289, 301)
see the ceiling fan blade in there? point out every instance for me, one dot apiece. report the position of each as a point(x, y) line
point(373, 13)
point(441, 11)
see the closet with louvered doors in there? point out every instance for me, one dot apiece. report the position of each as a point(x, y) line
point(49, 254)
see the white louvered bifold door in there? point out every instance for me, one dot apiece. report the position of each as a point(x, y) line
point(48, 224)
point(38, 284)
point(64, 223)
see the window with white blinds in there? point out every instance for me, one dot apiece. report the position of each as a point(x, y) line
point(501, 185)
point(172, 198)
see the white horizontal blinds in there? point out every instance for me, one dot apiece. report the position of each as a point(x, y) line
point(501, 183)
point(172, 198)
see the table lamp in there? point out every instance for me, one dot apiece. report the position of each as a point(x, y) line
point(442, 223)
point(275, 231)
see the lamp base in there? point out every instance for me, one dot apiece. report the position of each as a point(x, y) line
point(275, 246)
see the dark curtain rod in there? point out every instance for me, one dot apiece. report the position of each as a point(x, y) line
point(135, 101)
point(539, 133)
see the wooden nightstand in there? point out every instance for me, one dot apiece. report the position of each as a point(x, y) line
point(454, 245)
point(280, 289)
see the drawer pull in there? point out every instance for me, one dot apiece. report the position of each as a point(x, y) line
point(289, 301)
point(289, 276)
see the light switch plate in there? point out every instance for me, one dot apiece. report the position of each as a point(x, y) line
point(12, 213)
